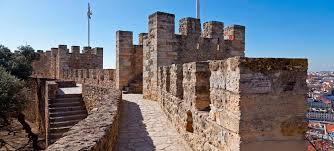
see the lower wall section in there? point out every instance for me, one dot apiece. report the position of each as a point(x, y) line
point(196, 127)
point(99, 131)
point(237, 104)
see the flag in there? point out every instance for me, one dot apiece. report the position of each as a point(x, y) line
point(89, 12)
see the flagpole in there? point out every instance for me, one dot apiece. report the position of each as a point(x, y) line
point(198, 9)
point(88, 17)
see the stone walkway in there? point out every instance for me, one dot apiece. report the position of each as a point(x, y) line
point(144, 127)
point(70, 90)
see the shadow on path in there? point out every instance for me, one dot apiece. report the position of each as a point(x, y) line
point(133, 134)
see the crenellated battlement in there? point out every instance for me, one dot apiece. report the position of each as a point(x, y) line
point(52, 63)
point(162, 46)
point(101, 77)
point(73, 50)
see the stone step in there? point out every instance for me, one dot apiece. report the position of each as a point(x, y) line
point(67, 118)
point(51, 141)
point(64, 123)
point(67, 104)
point(69, 96)
point(66, 84)
point(59, 129)
point(54, 136)
point(67, 113)
point(135, 85)
point(64, 100)
point(64, 109)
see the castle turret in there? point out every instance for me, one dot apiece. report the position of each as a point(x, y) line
point(162, 26)
point(158, 50)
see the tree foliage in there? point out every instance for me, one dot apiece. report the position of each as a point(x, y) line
point(18, 63)
point(14, 69)
point(13, 94)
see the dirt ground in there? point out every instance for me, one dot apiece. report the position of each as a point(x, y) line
point(17, 139)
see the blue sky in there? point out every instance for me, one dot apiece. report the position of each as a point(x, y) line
point(280, 28)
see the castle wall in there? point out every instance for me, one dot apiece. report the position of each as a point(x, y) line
point(238, 103)
point(52, 64)
point(163, 47)
point(42, 66)
point(102, 77)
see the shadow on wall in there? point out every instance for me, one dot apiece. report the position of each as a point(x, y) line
point(133, 133)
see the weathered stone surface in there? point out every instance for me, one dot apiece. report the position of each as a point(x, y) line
point(196, 84)
point(129, 62)
point(176, 77)
point(252, 104)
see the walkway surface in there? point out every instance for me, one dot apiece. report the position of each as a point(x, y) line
point(144, 127)
point(70, 90)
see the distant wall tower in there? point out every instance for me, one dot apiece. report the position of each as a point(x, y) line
point(124, 50)
point(129, 62)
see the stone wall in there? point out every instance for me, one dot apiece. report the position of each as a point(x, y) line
point(35, 108)
point(52, 64)
point(162, 47)
point(99, 131)
point(239, 103)
point(102, 77)
point(129, 59)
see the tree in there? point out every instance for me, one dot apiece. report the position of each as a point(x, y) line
point(14, 69)
point(12, 95)
point(28, 52)
point(5, 56)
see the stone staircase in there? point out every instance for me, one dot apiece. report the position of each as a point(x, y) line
point(135, 85)
point(65, 111)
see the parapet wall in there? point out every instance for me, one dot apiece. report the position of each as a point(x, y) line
point(162, 47)
point(245, 104)
point(99, 131)
point(102, 77)
point(53, 63)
